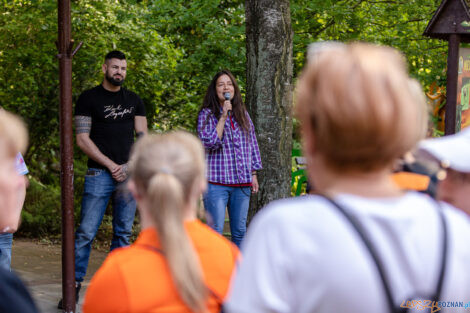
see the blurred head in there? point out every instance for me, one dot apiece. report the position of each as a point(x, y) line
point(176, 160)
point(13, 134)
point(223, 82)
point(115, 68)
point(420, 99)
point(453, 153)
point(357, 108)
point(167, 178)
point(13, 139)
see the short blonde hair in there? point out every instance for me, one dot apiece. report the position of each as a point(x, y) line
point(420, 98)
point(13, 132)
point(357, 103)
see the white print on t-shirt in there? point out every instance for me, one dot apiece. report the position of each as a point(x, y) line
point(115, 112)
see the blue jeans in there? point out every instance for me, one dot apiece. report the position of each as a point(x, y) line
point(216, 200)
point(6, 240)
point(99, 188)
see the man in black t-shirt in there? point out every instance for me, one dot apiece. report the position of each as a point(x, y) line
point(105, 118)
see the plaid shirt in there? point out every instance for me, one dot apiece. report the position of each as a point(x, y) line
point(232, 159)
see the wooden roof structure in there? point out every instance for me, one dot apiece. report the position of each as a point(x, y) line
point(452, 17)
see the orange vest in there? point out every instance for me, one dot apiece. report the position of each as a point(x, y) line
point(137, 278)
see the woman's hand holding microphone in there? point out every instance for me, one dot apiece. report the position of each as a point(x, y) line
point(227, 105)
point(226, 108)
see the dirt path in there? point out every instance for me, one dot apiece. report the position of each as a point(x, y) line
point(39, 266)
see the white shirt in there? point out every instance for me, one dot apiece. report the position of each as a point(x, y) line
point(301, 255)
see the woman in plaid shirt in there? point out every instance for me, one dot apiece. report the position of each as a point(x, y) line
point(228, 135)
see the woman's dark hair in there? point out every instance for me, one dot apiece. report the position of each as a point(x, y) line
point(211, 101)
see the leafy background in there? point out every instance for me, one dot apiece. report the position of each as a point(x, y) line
point(173, 49)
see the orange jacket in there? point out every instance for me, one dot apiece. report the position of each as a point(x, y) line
point(137, 278)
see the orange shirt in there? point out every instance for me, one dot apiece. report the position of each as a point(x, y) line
point(137, 279)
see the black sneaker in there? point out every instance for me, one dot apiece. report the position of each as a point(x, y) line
point(78, 285)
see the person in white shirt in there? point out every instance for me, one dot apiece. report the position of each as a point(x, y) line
point(303, 255)
point(453, 152)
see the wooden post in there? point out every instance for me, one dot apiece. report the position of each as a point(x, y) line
point(65, 46)
point(449, 22)
point(452, 68)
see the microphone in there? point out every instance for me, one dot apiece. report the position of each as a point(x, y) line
point(227, 96)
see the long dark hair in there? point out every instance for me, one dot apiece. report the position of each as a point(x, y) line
point(211, 101)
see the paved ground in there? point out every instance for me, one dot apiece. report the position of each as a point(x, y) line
point(39, 266)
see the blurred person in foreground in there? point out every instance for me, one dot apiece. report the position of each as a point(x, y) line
point(361, 244)
point(177, 264)
point(413, 172)
point(453, 153)
point(13, 138)
point(6, 235)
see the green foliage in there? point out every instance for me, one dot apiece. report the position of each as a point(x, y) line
point(174, 47)
point(210, 35)
point(395, 23)
point(299, 171)
point(28, 80)
point(152, 59)
point(40, 212)
point(29, 83)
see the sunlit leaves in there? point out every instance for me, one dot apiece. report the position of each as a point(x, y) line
point(391, 22)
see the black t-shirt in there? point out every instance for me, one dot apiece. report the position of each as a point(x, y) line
point(112, 117)
point(14, 297)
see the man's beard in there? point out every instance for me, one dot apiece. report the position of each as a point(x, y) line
point(113, 81)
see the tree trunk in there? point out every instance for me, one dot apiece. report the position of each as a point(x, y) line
point(269, 94)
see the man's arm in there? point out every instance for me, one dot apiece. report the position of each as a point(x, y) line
point(140, 125)
point(83, 128)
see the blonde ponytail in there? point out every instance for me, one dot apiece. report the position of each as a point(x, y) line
point(166, 196)
point(163, 167)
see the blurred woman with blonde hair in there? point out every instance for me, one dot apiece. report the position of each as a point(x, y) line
point(361, 244)
point(14, 297)
point(177, 264)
